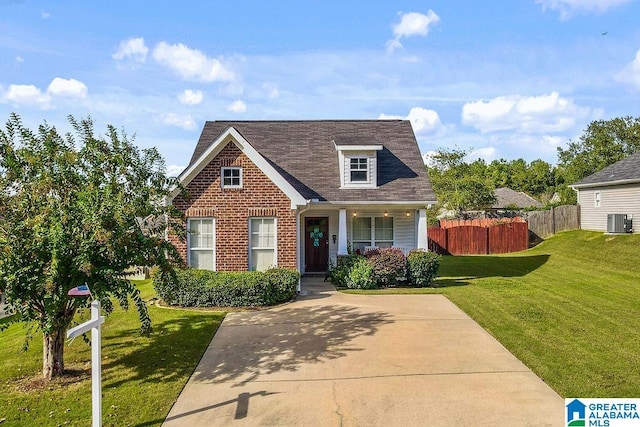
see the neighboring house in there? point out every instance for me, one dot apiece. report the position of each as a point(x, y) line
point(298, 194)
point(508, 199)
point(612, 190)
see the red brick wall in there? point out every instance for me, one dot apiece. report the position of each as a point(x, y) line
point(232, 208)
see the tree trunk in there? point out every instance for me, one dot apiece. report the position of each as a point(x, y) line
point(53, 354)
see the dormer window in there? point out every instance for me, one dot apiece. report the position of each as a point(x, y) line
point(358, 161)
point(359, 169)
point(232, 177)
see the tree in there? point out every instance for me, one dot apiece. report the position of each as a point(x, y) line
point(70, 210)
point(604, 142)
point(458, 185)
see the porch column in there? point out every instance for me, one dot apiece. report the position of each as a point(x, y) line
point(422, 229)
point(342, 232)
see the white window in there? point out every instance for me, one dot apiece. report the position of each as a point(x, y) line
point(262, 243)
point(596, 199)
point(201, 243)
point(371, 231)
point(231, 177)
point(359, 169)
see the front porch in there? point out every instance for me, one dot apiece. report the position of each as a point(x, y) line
point(325, 233)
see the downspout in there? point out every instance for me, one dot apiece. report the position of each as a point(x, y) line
point(298, 251)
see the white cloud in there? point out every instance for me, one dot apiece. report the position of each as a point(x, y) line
point(192, 64)
point(237, 107)
point(545, 113)
point(271, 89)
point(422, 120)
point(191, 97)
point(27, 95)
point(45, 15)
point(184, 121)
point(133, 48)
point(631, 73)
point(411, 24)
point(486, 153)
point(71, 88)
point(174, 170)
point(566, 8)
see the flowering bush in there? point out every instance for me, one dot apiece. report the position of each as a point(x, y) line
point(389, 264)
point(360, 275)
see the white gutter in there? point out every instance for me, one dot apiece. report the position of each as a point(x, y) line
point(298, 252)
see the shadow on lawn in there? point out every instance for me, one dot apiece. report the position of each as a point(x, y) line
point(165, 354)
point(458, 270)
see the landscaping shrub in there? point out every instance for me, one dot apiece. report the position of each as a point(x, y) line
point(360, 275)
point(338, 273)
point(203, 288)
point(388, 264)
point(422, 267)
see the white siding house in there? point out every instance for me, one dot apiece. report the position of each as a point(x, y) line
point(613, 190)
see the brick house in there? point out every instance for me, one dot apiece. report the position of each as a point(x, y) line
point(298, 194)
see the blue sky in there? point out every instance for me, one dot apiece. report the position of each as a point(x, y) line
point(505, 79)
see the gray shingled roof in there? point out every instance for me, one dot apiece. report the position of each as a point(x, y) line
point(305, 154)
point(625, 170)
point(507, 197)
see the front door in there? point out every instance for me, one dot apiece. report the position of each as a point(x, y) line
point(316, 244)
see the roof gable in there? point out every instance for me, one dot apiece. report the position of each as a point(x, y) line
point(625, 171)
point(304, 154)
point(231, 135)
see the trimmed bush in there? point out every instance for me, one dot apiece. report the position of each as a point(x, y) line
point(360, 275)
point(422, 267)
point(203, 288)
point(388, 264)
point(338, 273)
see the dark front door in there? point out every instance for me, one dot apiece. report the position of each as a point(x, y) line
point(316, 244)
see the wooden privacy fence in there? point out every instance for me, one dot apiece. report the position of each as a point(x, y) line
point(546, 223)
point(478, 240)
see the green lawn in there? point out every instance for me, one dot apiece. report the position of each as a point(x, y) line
point(569, 308)
point(141, 377)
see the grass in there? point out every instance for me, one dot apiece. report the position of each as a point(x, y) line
point(141, 377)
point(568, 308)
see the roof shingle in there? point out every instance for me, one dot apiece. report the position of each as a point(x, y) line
point(303, 152)
point(627, 169)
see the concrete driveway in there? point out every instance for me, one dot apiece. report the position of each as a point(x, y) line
point(331, 359)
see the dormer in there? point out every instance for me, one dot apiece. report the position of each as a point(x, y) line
point(358, 161)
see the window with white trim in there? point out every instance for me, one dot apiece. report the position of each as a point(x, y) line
point(359, 169)
point(262, 243)
point(201, 243)
point(231, 177)
point(371, 231)
point(596, 199)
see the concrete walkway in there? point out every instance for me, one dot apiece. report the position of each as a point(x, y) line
point(330, 359)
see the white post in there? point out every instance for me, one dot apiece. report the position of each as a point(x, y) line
point(96, 367)
point(342, 232)
point(422, 229)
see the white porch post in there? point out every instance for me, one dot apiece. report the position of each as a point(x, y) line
point(342, 232)
point(422, 229)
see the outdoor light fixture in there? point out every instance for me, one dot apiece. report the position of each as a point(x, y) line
point(355, 213)
point(334, 237)
point(408, 213)
point(385, 213)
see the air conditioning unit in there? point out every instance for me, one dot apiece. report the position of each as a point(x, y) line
point(616, 223)
point(628, 224)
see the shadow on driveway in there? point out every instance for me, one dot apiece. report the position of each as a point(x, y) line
point(248, 345)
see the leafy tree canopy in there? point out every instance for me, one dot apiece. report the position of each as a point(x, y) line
point(603, 143)
point(71, 210)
